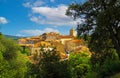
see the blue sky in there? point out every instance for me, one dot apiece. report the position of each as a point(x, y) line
point(34, 17)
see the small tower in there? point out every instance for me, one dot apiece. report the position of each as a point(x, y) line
point(72, 32)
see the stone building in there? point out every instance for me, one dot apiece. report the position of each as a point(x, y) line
point(47, 37)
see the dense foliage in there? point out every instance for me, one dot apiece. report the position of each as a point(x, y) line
point(101, 27)
point(48, 65)
point(101, 22)
point(12, 62)
point(80, 64)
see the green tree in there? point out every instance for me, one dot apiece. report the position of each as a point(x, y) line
point(12, 62)
point(49, 65)
point(80, 64)
point(102, 22)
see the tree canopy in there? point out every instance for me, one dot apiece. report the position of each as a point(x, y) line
point(101, 23)
point(12, 61)
point(101, 28)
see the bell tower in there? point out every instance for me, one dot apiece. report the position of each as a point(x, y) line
point(72, 32)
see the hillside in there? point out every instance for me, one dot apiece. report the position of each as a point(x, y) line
point(13, 37)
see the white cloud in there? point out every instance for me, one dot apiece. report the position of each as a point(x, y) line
point(52, 15)
point(38, 32)
point(33, 3)
point(3, 20)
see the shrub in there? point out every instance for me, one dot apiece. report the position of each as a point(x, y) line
point(90, 74)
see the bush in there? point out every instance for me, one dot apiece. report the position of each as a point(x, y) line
point(110, 67)
point(90, 74)
point(79, 64)
point(12, 62)
point(81, 70)
point(49, 65)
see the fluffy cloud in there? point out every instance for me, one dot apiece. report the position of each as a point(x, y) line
point(3, 20)
point(52, 16)
point(38, 32)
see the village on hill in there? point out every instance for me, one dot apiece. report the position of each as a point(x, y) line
point(63, 43)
